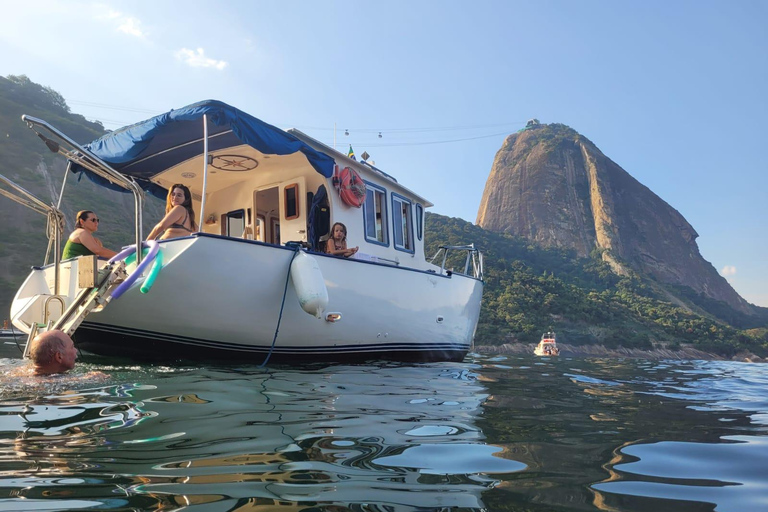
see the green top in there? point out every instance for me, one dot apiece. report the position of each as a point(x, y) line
point(74, 249)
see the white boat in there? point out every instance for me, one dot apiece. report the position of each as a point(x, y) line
point(11, 334)
point(547, 346)
point(239, 288)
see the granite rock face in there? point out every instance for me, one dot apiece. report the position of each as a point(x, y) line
point(553, 186)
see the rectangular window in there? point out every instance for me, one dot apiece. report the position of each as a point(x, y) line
point(235, 223)
point(419, 221)
point(402, 223)
point(275, 230)
point(292, 201)
point(375, 214)
point(259, 229)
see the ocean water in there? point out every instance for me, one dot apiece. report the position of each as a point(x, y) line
point(514, 433)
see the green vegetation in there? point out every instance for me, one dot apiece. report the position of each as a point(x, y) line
point(530, 289)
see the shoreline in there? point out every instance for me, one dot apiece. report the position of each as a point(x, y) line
point(686, 353)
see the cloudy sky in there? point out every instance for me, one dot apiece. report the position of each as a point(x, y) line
point(674, 92)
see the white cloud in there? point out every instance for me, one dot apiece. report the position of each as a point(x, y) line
point(131, 27)
point(120, 21)
point(728, 270)
point(197, 59)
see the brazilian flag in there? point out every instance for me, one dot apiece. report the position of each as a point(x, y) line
point(351, 153)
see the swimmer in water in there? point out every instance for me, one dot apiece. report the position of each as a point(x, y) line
point(52, 352)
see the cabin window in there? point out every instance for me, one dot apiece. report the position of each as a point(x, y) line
point(375, 214)
point(259, 230)
point(402, 221)
point(235, 223)
point(274, 229)
point(292, 201)
point(419, 221)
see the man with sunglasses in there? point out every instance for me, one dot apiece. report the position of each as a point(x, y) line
point(82, 242)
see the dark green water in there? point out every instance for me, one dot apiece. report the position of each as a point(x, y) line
point(492, 433)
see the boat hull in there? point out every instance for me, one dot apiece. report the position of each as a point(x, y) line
point(225, 298)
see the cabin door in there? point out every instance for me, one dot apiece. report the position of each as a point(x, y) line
point(293, 210)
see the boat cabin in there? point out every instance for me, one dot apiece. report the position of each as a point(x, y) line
point(254, 181)
point(278, 199)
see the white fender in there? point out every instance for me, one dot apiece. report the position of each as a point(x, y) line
point(309, 284)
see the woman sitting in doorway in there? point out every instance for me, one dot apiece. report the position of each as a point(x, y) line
point(82, 242)
point(179, 217)
point(337, 244)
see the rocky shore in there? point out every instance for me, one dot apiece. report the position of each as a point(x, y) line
point(684, 353)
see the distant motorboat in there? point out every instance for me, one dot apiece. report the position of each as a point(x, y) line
point(547, 346)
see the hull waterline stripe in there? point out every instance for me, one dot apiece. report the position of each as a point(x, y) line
point(379, 347)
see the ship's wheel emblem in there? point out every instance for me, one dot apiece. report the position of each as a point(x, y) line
point(234, 163)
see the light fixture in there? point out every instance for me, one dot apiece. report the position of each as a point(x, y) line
point(379, 134)
point(346, 132)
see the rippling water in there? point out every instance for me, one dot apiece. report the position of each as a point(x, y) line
point(492, 433)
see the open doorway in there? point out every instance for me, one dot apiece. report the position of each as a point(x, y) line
point(267, 204)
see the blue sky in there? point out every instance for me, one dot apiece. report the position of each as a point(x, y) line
point(674, 92)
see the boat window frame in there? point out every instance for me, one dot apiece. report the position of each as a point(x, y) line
point(274, 230)
point(419, 221)
point(374, 188)
point(294, 188)
point(260, 228)
point(225, 222)
point(409, 223)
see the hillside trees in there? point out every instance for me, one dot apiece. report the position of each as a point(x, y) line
point(529, 290)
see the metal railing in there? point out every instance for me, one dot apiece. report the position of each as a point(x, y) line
point(75, 153)
point(55, 224)
point(473, 257)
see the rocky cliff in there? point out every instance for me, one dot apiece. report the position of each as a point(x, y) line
point(553, 186)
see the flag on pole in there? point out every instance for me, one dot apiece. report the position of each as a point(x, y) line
point(351, 153)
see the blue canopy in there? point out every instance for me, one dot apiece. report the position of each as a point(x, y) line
point(146, 149)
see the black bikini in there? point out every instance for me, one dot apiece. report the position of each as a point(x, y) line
point(181, 226)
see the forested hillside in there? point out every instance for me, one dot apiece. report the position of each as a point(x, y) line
point(530, 290)
point(27, 162)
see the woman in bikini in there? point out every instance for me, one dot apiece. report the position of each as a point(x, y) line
point(179, 217)
point(337, 244)
point(82, 242)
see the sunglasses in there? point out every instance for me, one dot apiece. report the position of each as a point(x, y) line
point(95, 219)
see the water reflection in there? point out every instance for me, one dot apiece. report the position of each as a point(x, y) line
point(384, 436)
point(630, 435)
point(501, 433)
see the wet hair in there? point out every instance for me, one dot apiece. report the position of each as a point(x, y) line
point(44, 349)
point(343, 228)
point(187, 204)
point(81, 216)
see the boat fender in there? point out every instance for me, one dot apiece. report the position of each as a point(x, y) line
point(309, 284)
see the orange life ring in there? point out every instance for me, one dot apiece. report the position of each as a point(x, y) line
point(351, 186)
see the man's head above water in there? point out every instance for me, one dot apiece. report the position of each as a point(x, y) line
point(52, 352)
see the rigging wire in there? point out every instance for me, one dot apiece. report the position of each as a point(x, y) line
point(376, 131)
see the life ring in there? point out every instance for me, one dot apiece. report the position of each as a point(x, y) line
point(351, 187)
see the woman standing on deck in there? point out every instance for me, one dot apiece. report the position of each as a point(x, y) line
point(179, 217)
point(82, 242)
